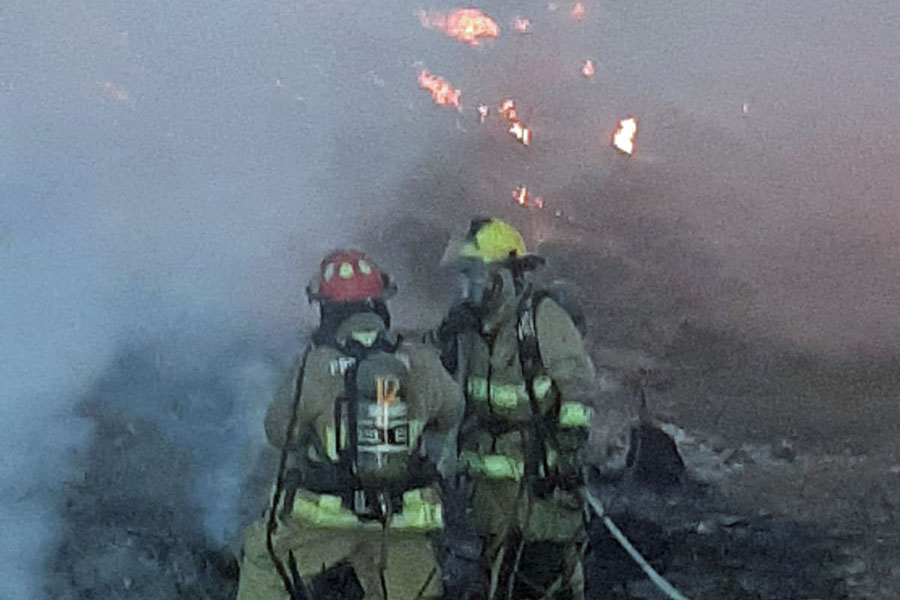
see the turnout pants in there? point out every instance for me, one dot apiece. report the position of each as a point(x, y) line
point(404, 556)
point(512, 521)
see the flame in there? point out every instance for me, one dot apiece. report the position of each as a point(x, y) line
point(508, 109)
point(623, 138)
point(522, 196)
point(521, 133)
point(587, 69)
point(516, 128)
point(468, 25)
point(483, 112)
point(443, 93)
point(522, 25)
point(578, 11)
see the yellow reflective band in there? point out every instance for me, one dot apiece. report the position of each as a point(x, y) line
point(323, 511)
point(476, 388)
point(327, 511)
point(541, 386)
point(331, 442)
point(503, 395)
point(418, 513)
point(492, 466)
point(575, 414)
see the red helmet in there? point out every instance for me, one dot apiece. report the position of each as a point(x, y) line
point(349, 276)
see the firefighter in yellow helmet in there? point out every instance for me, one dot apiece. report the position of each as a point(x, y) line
point(366, 422)
point(529, 386)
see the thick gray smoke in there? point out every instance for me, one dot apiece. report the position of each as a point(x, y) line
point(170, 173)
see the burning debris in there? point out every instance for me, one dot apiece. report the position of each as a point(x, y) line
point(623, 138)
point(587, 69)
point(522, 25)
point(508, 109)
point(578, 11)
point(523, 197)
point(520, 132)
point(517, 129)
point(468, 25)
point(443, 93)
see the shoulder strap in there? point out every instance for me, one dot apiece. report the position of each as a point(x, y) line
point(349, 403)
point(530, 359)
point(293, 585)
point(526, 333)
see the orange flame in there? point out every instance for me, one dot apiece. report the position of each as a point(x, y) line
point(468, 25)
point(521, 133)
point(443, 93)
point(522, 196)
point(522, 25)
point(587, 69)
point(623, 138)
point(578, 11)
point(516, 128)
point(508, 109)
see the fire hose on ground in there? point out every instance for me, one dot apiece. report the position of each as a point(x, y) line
point(664, 586)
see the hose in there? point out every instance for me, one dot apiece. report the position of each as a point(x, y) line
point(664, 586)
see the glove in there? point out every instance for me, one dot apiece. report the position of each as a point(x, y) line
point(460, 548)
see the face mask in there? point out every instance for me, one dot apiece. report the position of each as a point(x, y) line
point(482, 283)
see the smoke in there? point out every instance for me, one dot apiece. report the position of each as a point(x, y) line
point(171, 172)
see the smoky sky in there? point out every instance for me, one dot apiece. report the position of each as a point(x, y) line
point(171, 172)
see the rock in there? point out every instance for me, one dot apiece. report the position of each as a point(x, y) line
point(855, 567)
point(784, 451)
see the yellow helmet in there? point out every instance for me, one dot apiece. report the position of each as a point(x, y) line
point(492, 240)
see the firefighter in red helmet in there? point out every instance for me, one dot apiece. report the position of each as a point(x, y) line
point(365, 424)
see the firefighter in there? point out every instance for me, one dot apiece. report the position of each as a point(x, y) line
point(363, 444)
point(529, 385)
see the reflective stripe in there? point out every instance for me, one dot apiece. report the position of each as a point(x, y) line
point(541, 386)
point(507, 395)
point(326, 510)
point(331, 442)
point(418, 513)
point(476, 388)
point(323, 510)
point(575, 414)
point(492, 466)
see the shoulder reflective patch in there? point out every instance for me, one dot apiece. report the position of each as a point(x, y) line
point(340, 365)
